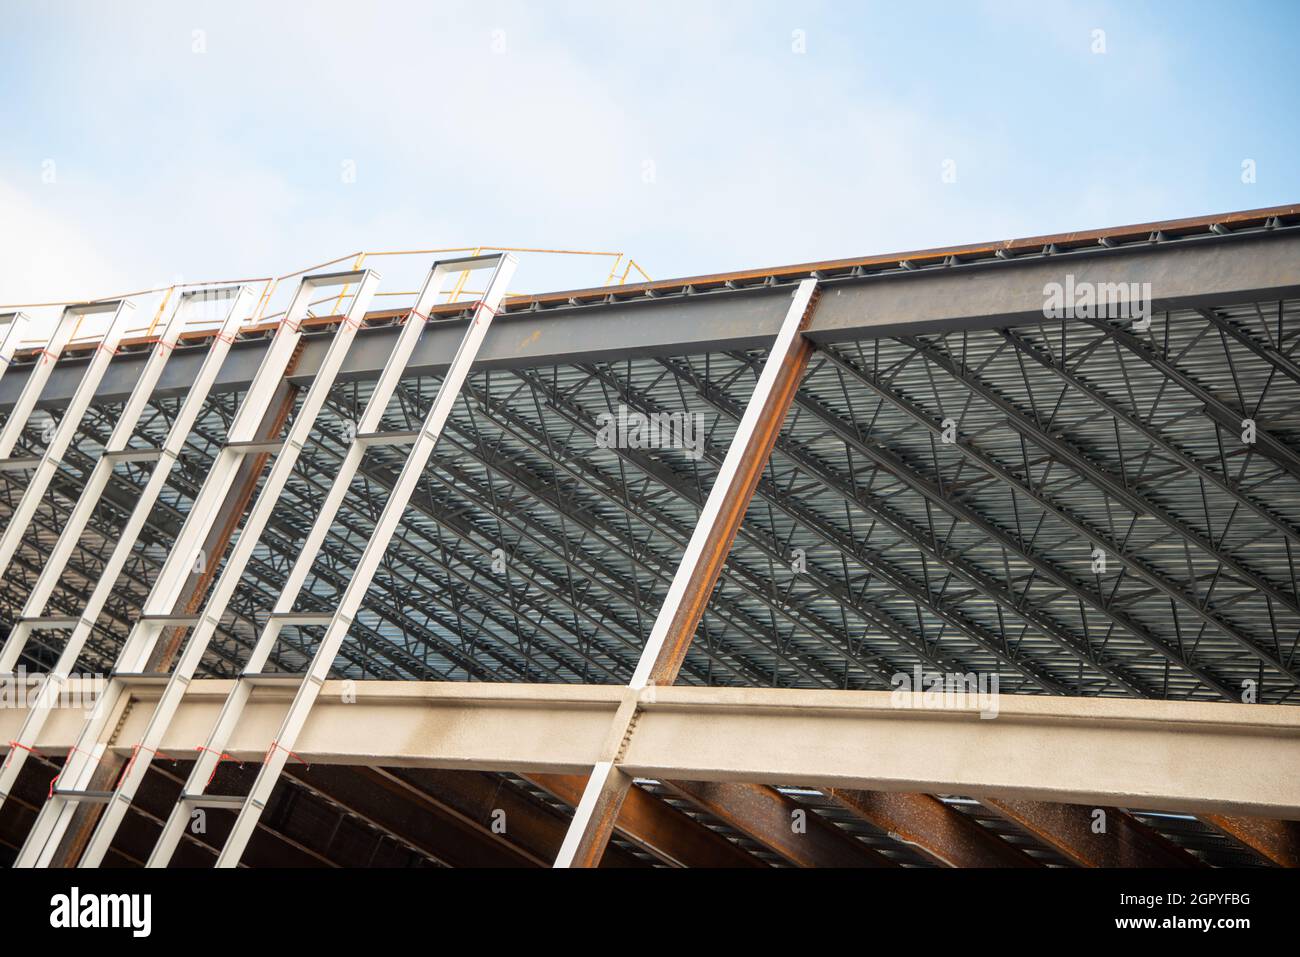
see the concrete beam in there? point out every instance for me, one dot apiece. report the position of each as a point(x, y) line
point(1198, 757)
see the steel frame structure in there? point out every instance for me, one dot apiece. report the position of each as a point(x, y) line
point(116, 451)
point(976, 555)
point(158, 610)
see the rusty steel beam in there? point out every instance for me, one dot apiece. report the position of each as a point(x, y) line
point(697, 574)
point(770, 818)
point(1126, 841)
point(1276, 841)
point(944, 833)
point(533, 827)
point(656, 826)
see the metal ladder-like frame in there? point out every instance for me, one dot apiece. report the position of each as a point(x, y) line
point(72, 787)
point(16, 325)
point(242, 301)
point(45, 465)
point(338, 622)
point(37, 377)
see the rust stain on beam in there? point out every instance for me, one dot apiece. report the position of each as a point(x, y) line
point(534, 828)
point(657, 826)
point(945, 834)
point(767, 816)
point(1277, 841)
point(1068, 828)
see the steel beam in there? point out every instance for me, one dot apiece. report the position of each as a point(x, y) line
point(943, 833)
point(1094, 836)
point(797, 833)
point(1219, 758)
point(43, 366)
point(696, 576)
point(241, 302)
point(670, 835)
point(57, 444)
point(233, 569)
point(16, 325)
point(349, 604)
point(1276, 841)
point(387, 802)
point(483, 798)
point(738, 311)
point(80, 769)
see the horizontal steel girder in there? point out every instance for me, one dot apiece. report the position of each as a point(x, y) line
point(1220, 758)
point(986, 295)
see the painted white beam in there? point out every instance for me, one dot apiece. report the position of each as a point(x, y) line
point(1195, 757)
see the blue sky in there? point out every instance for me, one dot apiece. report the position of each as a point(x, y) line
point(695, 136)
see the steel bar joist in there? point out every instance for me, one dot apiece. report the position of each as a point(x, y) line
point(236, 303)
point(56, 440)
point(697, 574)
point(158, 613)
point(337, 623)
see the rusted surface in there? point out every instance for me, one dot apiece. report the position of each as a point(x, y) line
point(1277, 841)
point(945, 834)
point(531, 826)
point(1068, 828)
point(767, 816)
point(657, 826)
point(723, 534)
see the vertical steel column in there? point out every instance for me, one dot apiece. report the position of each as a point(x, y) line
point(372, 554)
point(697, 574)
point(242, 300)
point(282, 614)
point(157, 613)
point(63, 435)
